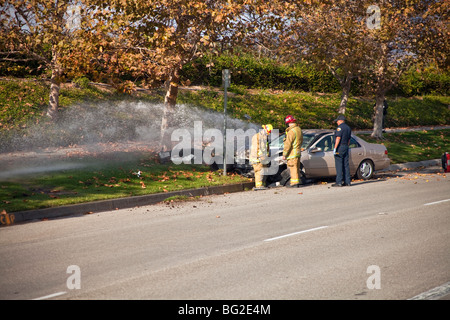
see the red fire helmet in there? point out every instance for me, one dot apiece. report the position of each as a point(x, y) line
point(289, 119)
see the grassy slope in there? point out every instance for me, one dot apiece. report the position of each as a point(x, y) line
point(21, 101)
point(315, 110)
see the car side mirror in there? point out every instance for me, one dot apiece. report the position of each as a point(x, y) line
point(314, 150)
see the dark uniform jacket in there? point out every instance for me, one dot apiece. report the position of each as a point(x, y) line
point(343, 131)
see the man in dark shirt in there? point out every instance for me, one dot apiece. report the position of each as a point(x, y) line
point(385, 107)
point(341, 153)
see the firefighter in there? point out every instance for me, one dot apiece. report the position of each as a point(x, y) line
point(259, 155)
point(292, 149)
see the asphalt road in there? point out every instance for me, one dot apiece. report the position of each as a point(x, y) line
point(387, 238)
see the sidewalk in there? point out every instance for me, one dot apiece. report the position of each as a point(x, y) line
point(413, 165)
point(391, 130)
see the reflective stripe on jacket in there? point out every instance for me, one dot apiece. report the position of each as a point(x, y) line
point(293, 142)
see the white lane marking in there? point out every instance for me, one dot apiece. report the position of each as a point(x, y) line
point(431, 203)
point(51, 295)
point(294, 233)
point(434, 294)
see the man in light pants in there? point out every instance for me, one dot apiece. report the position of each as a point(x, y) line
point(259, 155)
point(292, 149)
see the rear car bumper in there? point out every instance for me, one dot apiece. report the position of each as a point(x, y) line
point(382, 164)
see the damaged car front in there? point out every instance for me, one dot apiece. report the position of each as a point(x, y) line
point(279, 173)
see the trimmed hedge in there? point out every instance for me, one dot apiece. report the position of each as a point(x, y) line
point(253, 72)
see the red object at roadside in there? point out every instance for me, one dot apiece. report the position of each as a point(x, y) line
point(446, 162)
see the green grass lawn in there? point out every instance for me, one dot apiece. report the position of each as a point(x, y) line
point(111, 180)
point(415, 145)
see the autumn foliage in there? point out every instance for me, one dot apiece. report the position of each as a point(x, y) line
point(121, 42)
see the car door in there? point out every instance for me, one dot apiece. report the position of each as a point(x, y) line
point(356, 155)
point(320, 161)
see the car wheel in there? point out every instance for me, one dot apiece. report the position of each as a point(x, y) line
point(285, 177)
point(365, 170)
point(303, 178)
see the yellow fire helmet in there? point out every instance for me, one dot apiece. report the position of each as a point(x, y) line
point(268, 128)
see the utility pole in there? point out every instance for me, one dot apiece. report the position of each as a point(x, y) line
point(226, 84)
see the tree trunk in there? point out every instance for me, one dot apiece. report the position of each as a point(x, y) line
point(378, 119)
point(383, 84)
point(345, 84)
point(55, 85)
point(169, 109)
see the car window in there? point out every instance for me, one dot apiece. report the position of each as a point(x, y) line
point(354, 143)
point(307, 138)
point(279, 141)
point(326, 143)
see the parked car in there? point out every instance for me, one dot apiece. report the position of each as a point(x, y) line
point(317, 159)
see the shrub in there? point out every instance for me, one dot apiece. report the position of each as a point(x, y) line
point(82, 82)
point(420, 82)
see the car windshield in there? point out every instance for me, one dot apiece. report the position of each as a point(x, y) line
point(279, 142)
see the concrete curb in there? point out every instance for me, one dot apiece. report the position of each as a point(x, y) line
point(120, 203)
point(413, 165)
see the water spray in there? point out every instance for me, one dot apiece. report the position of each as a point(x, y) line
point(108, 130)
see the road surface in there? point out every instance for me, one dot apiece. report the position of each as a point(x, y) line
point(386, 238)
